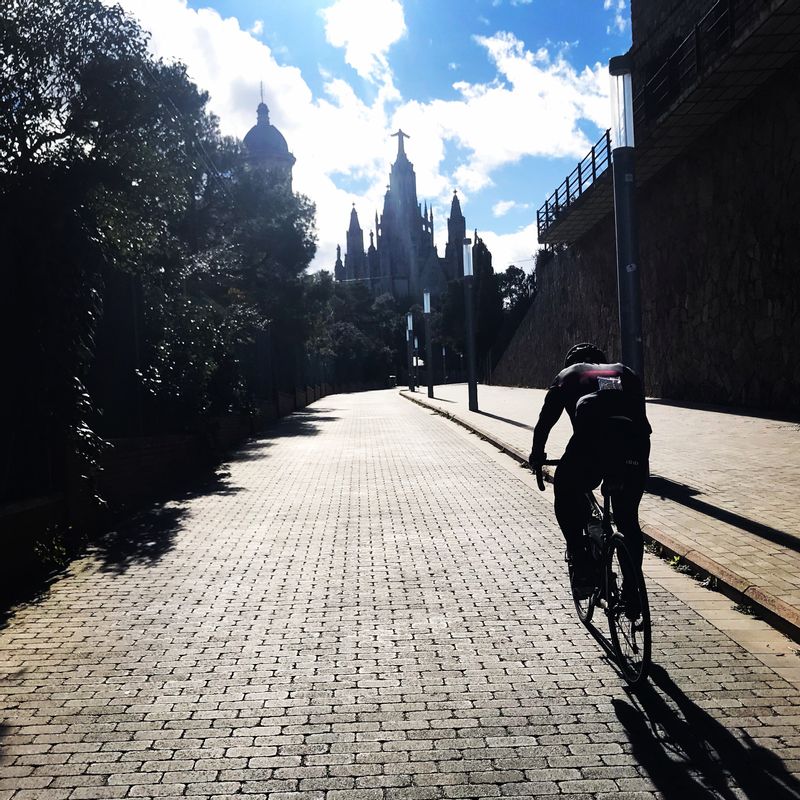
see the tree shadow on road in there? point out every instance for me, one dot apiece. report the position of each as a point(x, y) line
point(689, 754)
point(146, 536)
point(305, 422)
point(4, 732)
point(143, 537)
point(150, 534)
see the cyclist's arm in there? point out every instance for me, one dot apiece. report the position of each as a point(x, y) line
point(551, 411)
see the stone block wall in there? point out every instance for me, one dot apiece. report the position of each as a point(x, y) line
point(720, 266)
point(658, 27)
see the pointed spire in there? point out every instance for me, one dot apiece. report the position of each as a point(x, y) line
point(338, 252)
point(455, 207)
point(371, 241)
point(354, 226)
point(426, 208)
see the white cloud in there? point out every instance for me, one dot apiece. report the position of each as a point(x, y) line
point(534, 107)
point(619, 7)
point(366, 29)
point(257, 27)
point(512, 248)
point(501, 208)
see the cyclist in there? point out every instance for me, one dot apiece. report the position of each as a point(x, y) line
point(611, 438)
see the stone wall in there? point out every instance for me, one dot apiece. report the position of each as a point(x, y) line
point(658, 27)
point(720, 266)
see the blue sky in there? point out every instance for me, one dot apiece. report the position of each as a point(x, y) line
point(500, 97)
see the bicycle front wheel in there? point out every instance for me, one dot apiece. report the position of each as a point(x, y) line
point(584, 599)
point(628, 612)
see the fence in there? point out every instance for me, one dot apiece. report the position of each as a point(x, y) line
point(577, 182)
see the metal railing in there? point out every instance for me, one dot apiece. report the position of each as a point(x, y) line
point(577, 182)
point(710, 38)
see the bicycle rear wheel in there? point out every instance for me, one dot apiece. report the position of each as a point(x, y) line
point(628, 612)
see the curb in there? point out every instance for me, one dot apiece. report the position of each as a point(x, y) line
point(770, 608)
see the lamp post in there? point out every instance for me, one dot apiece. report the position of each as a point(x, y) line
point(623, 170)
point(426, 307)
point(409, 345)
point(416, 361)
point(444, 364)
point(472, 381)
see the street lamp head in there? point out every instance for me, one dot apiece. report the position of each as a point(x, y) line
point(467, 258)
point(620, 68)
point(426, 302)
point(620, 65)
point(410, 321)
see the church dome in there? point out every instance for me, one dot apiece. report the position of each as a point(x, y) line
point(264, 140)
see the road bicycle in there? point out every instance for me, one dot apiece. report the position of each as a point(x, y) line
point(617, 586)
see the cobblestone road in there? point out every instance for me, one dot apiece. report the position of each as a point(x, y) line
point(724, 486)
point(371, 605)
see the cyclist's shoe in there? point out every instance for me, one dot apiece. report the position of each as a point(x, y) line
point(581, 573)
point(630, 600)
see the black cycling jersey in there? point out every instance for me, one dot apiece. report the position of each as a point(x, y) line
point(591, 395)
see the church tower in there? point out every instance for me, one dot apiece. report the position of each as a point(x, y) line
point(456, 233)
point(355, 258)
point(267, 149)
point(402, 259)
point(338, 269)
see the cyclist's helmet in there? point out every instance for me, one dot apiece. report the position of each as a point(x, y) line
point(585, 353)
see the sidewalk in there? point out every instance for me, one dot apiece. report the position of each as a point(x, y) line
point(724, 492)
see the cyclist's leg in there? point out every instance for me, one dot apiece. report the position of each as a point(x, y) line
point(625, 502)
point(575, 475)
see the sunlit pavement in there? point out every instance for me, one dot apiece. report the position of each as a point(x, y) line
point(724, 492)
point(372, 604)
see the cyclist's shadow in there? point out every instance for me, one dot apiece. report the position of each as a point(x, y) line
point(689, 754)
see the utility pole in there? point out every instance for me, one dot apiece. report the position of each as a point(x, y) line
point(469, 314)
point(426, 306)
point(409, 347)
point(624, 173)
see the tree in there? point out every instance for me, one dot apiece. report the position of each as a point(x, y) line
point(515, 287)
point(112, 173)
point(92, 161)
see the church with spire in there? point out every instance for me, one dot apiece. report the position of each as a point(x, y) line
point(402, 259)
point(267, 149)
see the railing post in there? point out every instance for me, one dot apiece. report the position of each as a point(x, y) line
point(566, 183)
point(594, 164)
point(580, 178)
